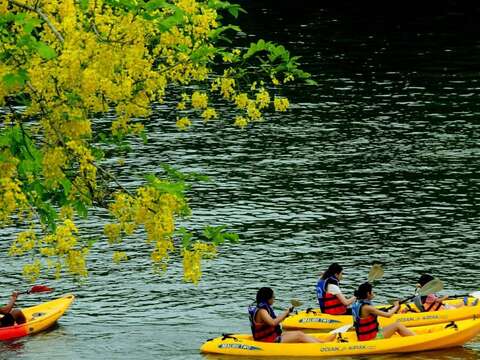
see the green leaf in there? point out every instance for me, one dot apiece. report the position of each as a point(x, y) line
point(176, 175)
point(171, 21)
point(12, 80)
point(29, 25)
point(156, 4)
point(26, 167)
point(81, 209)
point(84, 4)
point(234, 9)
point(143, 136)
point(67, 185)
point(45, 51)
point(232, 237)
point(187, 237)
point(202, 53)
point(215, 34)
point(48, 215)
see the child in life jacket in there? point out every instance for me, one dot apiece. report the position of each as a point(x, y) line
point(329, 295)
point(365, 317)
point(265, 324)
point(432, 302)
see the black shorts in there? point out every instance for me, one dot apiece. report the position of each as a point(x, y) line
point(7, 320)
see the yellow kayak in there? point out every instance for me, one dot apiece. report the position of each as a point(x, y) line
point(39, 318)
point(316, 320)
point(426, 338)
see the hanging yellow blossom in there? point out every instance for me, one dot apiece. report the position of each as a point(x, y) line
point(199, 100)
point(183, 123)
point(240, 122)
point(281, 104)
point(209, 113)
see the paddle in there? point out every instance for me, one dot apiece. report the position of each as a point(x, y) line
point(37, 289)
point(375, 273)
point(341, 329)
point(431, 287)
point(296, 303)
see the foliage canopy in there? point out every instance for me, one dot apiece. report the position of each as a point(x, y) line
point(66, 63)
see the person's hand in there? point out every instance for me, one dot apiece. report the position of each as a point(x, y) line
point(14, 295)
point(396, 303)
point(290, 309)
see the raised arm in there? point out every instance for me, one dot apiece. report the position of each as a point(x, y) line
point(374, 311)
point(7, 308)
point(345, 301)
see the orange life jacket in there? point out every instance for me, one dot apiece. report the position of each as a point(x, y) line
point(332, 305)
point(366, 328)
point(329, 303)
point(263, 332)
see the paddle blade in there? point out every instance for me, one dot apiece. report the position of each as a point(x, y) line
point(376, 272)
point(341, 329)
point(296, 303)
point(431, 287)
point(39, 289)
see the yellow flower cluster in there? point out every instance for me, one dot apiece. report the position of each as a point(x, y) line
point(209, 113)
point(263, 99)
point(61, 244)
point(252, 111)
point(153, 209)
point(24, 242)
point(119, 256)
point(12, 198)
point(281, 104)
point(31, 272)
point(241, 100)
point(54, 159)
point(199, 100)
point(192, 260)
point(240, 122)
point(183, 123)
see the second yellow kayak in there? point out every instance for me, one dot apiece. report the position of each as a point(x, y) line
point(316, 320)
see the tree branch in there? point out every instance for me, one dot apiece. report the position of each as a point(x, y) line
point(40, 13)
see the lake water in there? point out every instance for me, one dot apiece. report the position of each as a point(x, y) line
point(380, 161)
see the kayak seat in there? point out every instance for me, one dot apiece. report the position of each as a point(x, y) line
point(228, 336)
point(451, 324)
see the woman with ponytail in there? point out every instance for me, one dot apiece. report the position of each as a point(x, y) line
point(365, 317)
point(266, 325)
point(329, 295)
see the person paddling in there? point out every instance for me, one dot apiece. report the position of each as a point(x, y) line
point(11, 316)
point(329, 295)
point(432, 302)
point(265, 324)
point(365, 317)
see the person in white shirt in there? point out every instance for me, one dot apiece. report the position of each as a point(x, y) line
point(329, 295)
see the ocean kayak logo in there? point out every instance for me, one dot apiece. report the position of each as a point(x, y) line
point(341, 348)
point(318, 320)
point(238, 346)
point(425, 317)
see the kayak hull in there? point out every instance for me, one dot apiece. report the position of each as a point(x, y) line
point(426, 338)
point(316, 320)
point(39, 317)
